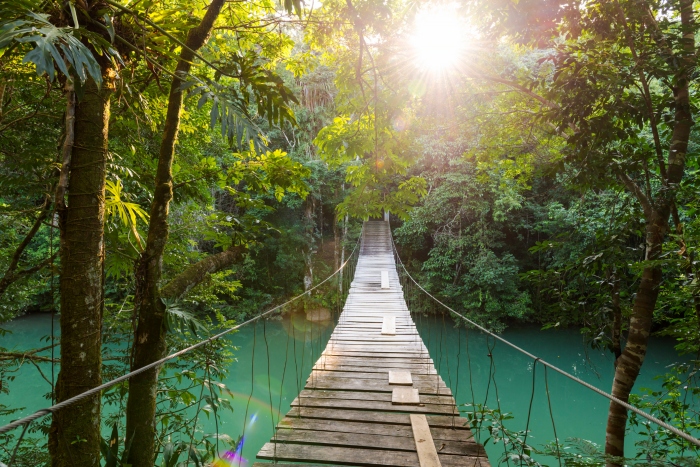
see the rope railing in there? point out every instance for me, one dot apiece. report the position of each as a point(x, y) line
point(25, 421)
point(628, 406)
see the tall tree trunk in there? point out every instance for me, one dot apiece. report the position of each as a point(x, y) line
point(74, 439)
point(149, 343)
point(336, 244)
point(616, 310)
point(657, 216)
point(629, 363)
point(342, 252)
point(310, 207)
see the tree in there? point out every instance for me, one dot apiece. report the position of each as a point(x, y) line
point(150, 335)
point(85, 59)
point(619, 87)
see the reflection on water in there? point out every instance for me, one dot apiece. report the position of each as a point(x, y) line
point(274, 359)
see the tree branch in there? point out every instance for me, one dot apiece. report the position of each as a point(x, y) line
point(199, 271)
point(518, 87)
point(10, 275)
point(637, 192)
point(26, 356)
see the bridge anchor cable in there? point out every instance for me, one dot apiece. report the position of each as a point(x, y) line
point(63, 404)
point(691, 439)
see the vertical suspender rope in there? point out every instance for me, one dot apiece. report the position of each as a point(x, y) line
point(63, 404)
point(529, 411)
point(269, 386)
point(612, 398)
point(551, 415)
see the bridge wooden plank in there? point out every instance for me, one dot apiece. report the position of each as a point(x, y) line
point(414, 369)
point(362, 360)
point(406, 396)
point(385, 279)
point(379, 347)
point(358, 353)
point(400, 377)
point(376, 385)
point(427, 453)
point(344, 426)
point(404, 405)
point(363, 337)
point(427, 379)
point(444, 421)
point(373, 396)
point(389, 325)
point(354, 456)
point(388, 442)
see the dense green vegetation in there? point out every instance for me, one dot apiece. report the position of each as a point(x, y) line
point(167, 168)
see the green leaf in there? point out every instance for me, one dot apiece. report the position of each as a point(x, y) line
point(74, 14)
point(109, 25)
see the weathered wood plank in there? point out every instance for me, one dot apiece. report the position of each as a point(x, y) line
point(405, 396)
point(427, 453)
point(389, 326)
point(377, 385)
point(411, 404)
point(422, 379)
point(388, 442)
point(353, 456)
point(344, 426)
point(444, 421)
point(358, 353)
point(400, 377)
point(372, 396)
point(361, 360)
point(417, 370)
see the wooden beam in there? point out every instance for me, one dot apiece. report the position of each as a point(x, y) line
point(389, 326)
point(385, 279)
point(400, 377)
point(427, 454)
point(405, 396)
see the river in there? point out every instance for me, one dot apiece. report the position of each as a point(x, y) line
point(262, 392)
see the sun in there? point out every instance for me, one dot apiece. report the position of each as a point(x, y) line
point(439, 38)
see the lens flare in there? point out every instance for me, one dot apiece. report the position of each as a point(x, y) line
point(439, 38)
point(231, 459)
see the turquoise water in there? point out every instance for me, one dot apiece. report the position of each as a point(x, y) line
point(262, 391)
point(577, 411)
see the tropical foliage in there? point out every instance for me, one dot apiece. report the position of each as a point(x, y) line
point(170, 168)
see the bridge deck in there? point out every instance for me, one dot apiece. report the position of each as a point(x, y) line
point(345, 415)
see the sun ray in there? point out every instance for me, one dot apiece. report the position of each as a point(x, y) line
point(439, 38)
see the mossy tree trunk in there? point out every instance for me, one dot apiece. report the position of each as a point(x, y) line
point(74, 439)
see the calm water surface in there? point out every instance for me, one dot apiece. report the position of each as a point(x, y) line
point(274, 360)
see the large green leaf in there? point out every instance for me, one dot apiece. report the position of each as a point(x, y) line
point(56, 49)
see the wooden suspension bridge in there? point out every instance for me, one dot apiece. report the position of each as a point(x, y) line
point(374, 397)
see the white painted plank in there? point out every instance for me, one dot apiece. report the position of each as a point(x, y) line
point(400, 377)
point(404, 395)
point(385, 279)
point(389, 326)
point(427, 454)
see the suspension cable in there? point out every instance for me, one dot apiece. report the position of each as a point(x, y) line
point(626, 405)
point(56, 407)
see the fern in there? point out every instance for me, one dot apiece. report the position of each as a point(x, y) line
point(128, 213)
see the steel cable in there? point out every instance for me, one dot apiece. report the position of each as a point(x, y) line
point(61, 405)
point(612, 398)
